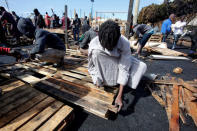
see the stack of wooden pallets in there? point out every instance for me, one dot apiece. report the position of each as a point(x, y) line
point(155, 38)
point(25, 108)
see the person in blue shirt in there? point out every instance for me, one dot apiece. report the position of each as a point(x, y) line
point(166, 27)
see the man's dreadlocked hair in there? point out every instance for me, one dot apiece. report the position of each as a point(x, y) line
point(109, 34)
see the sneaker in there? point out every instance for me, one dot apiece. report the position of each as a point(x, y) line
point(173, 47)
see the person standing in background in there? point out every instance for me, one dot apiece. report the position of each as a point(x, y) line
point(166, 27)
point(47, 20)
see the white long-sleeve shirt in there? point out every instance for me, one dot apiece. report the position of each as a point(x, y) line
point(121, 56)
point(178, 27)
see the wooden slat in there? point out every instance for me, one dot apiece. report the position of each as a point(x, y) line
point(87, 85)
point(83, 91)
point(41, 117)
point(21, 109)
point(16, 123)
point(24, 90)
point(55, 91)
point(190, 106)
point(12, 93)
point(39, 69)
point(85, 96)
point(165, 52)
point(29, 79)
point(12, 85)
point(27, 96)
point(174, 121)
point(56, 119)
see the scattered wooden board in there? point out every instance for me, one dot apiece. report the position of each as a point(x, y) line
point(174, 121)
point(165, 51)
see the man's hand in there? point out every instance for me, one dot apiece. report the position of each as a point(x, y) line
point(118, 103)
point(16, 53)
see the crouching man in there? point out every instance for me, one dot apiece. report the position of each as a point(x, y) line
point(88, 36)
point(110, 62)
point(47, 47)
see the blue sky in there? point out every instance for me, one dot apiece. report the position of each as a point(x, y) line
point(25, 7)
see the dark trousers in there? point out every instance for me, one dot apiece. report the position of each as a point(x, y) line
point(76, 32)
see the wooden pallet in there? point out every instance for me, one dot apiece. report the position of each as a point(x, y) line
point(72, 84)
point(25, 108)
point(155, 38)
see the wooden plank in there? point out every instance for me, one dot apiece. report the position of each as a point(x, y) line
point(12, 93)
point(15, 97)
point(55, 91)
point(29, 79)
point(174, 121)
point(190, 105)
point(21, 109)
point(170, 82)
point(16, 123)
point(165, 51)
point(27, 96)
point(12, 86)
point(168, 104)
point(37, 121)
point(56, 119)
point(85, 96)
point(78, 76)
point(83, 91)
point(87, 85)
point(38, 69)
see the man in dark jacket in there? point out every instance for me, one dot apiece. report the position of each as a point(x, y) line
point(76, 27)
point(2, 35)
point(38, 19)
point(10, 19)
point(88, 36)
point(143, 32)
point(48, 47)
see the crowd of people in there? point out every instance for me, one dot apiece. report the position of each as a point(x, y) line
point(110, 62)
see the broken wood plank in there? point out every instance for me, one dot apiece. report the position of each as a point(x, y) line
point(170, 82)
point(165, 51)
point(174, 121)
point(190, 105)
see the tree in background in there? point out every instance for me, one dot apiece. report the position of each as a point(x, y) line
point(154, 13)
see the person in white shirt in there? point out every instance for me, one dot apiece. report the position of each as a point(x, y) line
point(110, 62)
point(178, 28)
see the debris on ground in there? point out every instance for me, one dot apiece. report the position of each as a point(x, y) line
point(177, 96)
point(178, 70)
